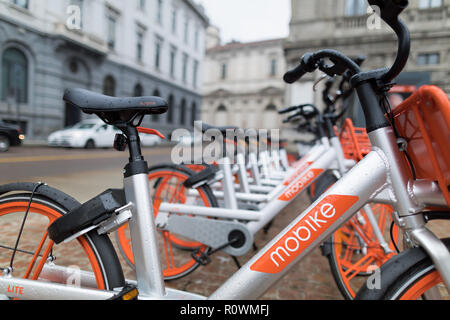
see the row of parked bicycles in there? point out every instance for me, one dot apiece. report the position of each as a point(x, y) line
point(373, 190)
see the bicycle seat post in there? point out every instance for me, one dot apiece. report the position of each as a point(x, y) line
point(142, 225)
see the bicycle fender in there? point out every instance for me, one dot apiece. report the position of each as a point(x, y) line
point(59, 197)
point(89, 214)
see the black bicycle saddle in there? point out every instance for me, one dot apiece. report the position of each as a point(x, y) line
point(91, 102)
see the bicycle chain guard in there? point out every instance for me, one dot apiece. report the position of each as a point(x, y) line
point(213, 233)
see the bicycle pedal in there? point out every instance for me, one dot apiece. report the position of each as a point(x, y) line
point(202, 259)
point(127, 293)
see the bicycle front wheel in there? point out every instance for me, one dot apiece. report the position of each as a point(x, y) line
point(410, 276)
point(354, 251)
point(89, 261)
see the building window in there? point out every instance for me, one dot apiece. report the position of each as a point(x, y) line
point(196, 38)
point(355, 7)
point(140, 44)
point(183, 112)
point(155, 117)
point(138, 90)
point(186, 29)
point(194, 112)
point(79, 5)
point(170, 112)
point(158, 48)
point(426, 4)
point(173, 56)
point(109, 86)
point(20, 3)
point(185, 66)
point(111, 24)
point(195, 74)
point(223, 74)
point(424, 59)
point(141, 4)
point(159, 12)
point(273, 67)
point(14, 83)
point(174, 20)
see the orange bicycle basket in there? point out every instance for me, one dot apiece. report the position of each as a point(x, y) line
point(355, 141)
point(424, 121)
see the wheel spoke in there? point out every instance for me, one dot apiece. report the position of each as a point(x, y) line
point(43, 260)
point(36, 254)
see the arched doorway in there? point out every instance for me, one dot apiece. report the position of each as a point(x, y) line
point(221, 118)
point(138, 90)
point(14, 83)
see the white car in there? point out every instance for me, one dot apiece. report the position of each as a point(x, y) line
point(91, 134)
point(187, 139)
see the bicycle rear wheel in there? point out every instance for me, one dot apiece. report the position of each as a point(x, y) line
point(167, 185)
point(89, 261)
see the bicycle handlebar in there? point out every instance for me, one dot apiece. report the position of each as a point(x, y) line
point(313, 61)
point(299, 107)
point(389, 12)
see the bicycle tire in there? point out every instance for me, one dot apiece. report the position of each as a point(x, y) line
point(98, 249)
point(406, 276)
point(189, 264)
point(347, 273)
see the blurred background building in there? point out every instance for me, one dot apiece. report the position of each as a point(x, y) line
point(350, 27)
point(119, 48)
point(243, 83)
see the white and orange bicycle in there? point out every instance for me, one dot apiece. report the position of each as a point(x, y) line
point(383, 176)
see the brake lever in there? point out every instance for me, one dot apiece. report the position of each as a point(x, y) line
point(318, 81)
point(298, 115)
point(332, 70)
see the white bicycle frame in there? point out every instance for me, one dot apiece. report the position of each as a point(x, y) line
point(308, 170)
point(258, 194)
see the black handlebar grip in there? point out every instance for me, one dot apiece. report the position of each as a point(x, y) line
point(287, 110)
point(307, 64)
point(294, 74)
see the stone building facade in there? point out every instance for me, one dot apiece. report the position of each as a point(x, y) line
point(350, 27)
point(119, 48)
point(243, 83)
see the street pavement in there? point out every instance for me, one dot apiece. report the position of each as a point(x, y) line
point(86, 173)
